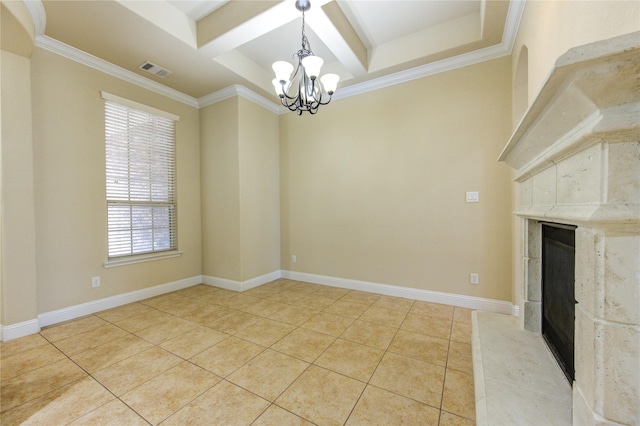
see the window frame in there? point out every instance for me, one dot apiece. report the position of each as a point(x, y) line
point(125, 198)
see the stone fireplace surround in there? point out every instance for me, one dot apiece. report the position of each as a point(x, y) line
point(577, 159)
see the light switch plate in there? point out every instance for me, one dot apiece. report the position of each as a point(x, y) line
point(473, 197)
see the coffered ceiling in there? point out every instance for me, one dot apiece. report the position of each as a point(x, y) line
point(210, 46)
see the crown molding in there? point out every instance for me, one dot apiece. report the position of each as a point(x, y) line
point(512, 23)
point(238, 90)
point(38, 15)
point(514, 15)
point(62, 49)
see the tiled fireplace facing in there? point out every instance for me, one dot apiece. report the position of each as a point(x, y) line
point(577, 160)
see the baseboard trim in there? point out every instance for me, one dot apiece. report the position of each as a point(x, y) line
point(21, 329)
point(463, 301)
point(65, 314)
point(241, 285)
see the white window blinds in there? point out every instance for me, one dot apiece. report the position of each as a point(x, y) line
point(140, 172)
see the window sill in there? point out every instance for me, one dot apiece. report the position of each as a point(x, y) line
point(129, 260)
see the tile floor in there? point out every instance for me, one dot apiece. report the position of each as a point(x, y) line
point(285, 353)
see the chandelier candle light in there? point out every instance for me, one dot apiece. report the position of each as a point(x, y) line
point(309, 94)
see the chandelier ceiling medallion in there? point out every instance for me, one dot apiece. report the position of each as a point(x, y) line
point(309, 94)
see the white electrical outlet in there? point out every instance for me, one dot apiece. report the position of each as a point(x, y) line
point(95, 282)
point(294, 259)
point(473, 278)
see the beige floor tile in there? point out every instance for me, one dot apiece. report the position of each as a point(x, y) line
point(166, 330)
point(261, 292)
point(268, 374)
point(224, 404)
point(35, 383)
point(334, 293)
point(431, 326)
point(90, 339)
point(293, 293)
point(145, 320)
point(432, 309)
point(461, 332)
point(280, 284)
point(29, 360)
point(333, 325)
point(16, 346)
point(217, 297)
point(379, 407)
point(294, 315)
point(393, 303)
point(114, 351)
point(234, 322)
point(266, 332)
point(382, 316)
point(288, 297)
point(114, 413)
point(462, 315)
point(458, 396)
point(193, 341)
point(168, 392)
point(322, 396)
point(361, 297)
point(71, 328)
point(131, 372)
point(420, 346)
point(460, 358)
point(314, 301)
point(346, 309)
point(370, 334)
point(344, 333)
point(276, 416)
point(208, 313)
point(239, 301)
point(123, 312)
point(305, 287)
point(60, 406)
point(227, 356)
point(264, 307)
point(197, 291)
point(448, 419)
point(409, 377)
point(351, 359)
point(303, 344)
point(174, 304)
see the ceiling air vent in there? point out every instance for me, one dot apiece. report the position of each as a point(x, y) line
point(154, 69)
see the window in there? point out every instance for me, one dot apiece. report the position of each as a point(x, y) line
point(140, 175)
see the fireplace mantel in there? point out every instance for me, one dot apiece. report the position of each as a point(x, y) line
point(576, 154)
point(589, 103)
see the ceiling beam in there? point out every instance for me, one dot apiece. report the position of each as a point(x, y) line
point(335, 31)
point(237, 23)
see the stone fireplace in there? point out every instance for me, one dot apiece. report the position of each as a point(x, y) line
point(577, 159)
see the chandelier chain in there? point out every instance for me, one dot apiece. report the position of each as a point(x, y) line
point(306, 46)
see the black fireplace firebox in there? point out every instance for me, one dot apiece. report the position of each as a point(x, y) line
point(558, 293)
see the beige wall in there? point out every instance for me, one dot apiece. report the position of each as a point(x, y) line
point(259, 139)
point(373, 186)
point(240, 190)
point(219, 162)
point(17, 203)
point(69, 161)
point(550, 28)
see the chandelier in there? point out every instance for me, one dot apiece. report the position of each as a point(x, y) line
point(308, 92)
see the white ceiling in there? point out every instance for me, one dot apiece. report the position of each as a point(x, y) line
point(212, 45)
